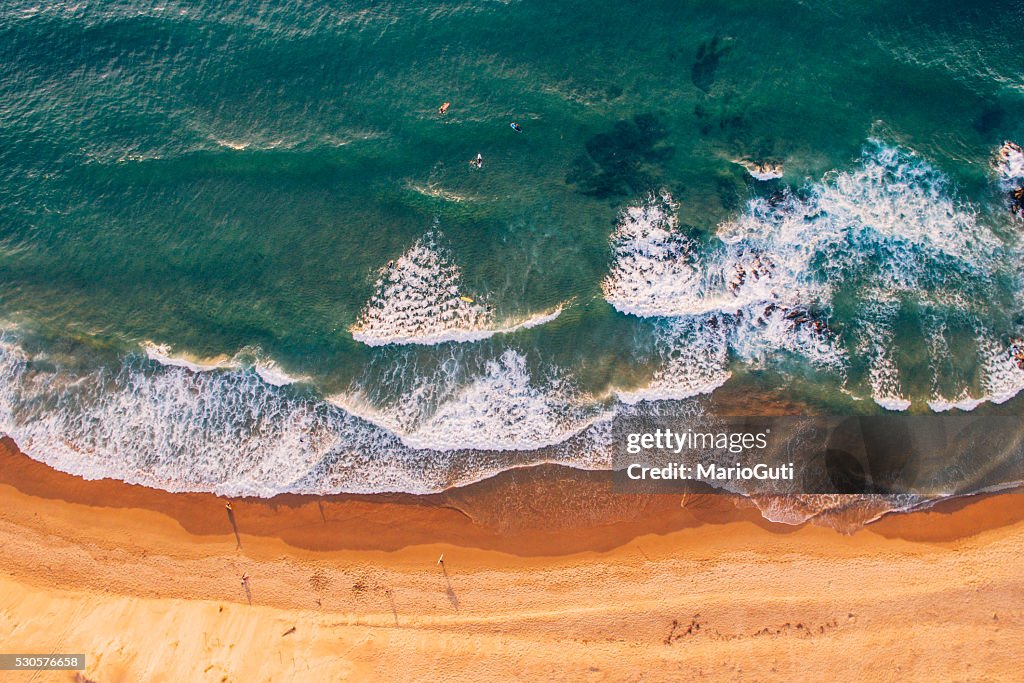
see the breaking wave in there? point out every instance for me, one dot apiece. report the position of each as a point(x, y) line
point(501, 408)
point(881, 240)
point(228, 430)
point(692, 361)
point(843, 276)
point(420, 298)
point(269, 370)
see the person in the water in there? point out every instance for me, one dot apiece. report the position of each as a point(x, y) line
point(478, 162)
point(516, 127)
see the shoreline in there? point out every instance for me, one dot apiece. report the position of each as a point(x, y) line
point(132, 576)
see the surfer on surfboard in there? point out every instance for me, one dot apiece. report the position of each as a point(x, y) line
point(443, 109)
point(516, 127)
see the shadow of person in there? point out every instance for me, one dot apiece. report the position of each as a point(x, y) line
point(449, 591)
point(234, 527)
point(394, 609)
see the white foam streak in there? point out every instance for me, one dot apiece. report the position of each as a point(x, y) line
point(875, 343)
point(886, 230)
point(268, 370)
point(502, 409)
point(694, 355)
point(161, 353)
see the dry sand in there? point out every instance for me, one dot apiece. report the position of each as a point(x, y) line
point(546, 576)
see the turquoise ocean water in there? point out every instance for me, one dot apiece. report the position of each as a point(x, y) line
point(199, 203)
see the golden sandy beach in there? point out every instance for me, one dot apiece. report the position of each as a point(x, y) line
point(534, 586)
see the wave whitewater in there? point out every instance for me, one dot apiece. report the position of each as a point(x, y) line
point(766, 286)
point(268, 370)
point(881, 239)
point(419, 298)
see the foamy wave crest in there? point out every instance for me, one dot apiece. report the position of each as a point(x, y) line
point(174, 428)
point(269, 370)
point(892, 220)
point(502, 408)
point(693, 356)
point(420, 299)
point(875, 343)
point(659, 271)
point(654, 264)
point(162, 354)
point(888, 231)
point(762, 170)
point(1002, 369)
point(230, 432)
point(945, 373)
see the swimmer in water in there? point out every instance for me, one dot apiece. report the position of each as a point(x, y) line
point(443, 109)
point(478, 162)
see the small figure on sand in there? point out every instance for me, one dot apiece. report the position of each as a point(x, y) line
point(227, 506)
point(516, 127)
point(245, 579)
point(478, 162)
point(443, 109)
point(440, 560)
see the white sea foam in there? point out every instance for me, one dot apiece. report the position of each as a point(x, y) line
point(659, 271)
point(230, 432)
point(420, 299)
point(875, 343)
point(764, 331)
point(999, 375)
point(502, 408)
point(887, 229)
point(1002, 378)
point(655, 266)
point(941, 362)
point(892, 219)
point(693, 358)
point(272, 373)
point(269, 370)
point(162, 354)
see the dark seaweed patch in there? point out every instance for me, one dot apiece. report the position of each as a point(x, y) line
point(624, 161)
point(991, 117)
point(728, 193)
point(709, 53)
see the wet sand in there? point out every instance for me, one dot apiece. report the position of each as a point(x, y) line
point(546, 575)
